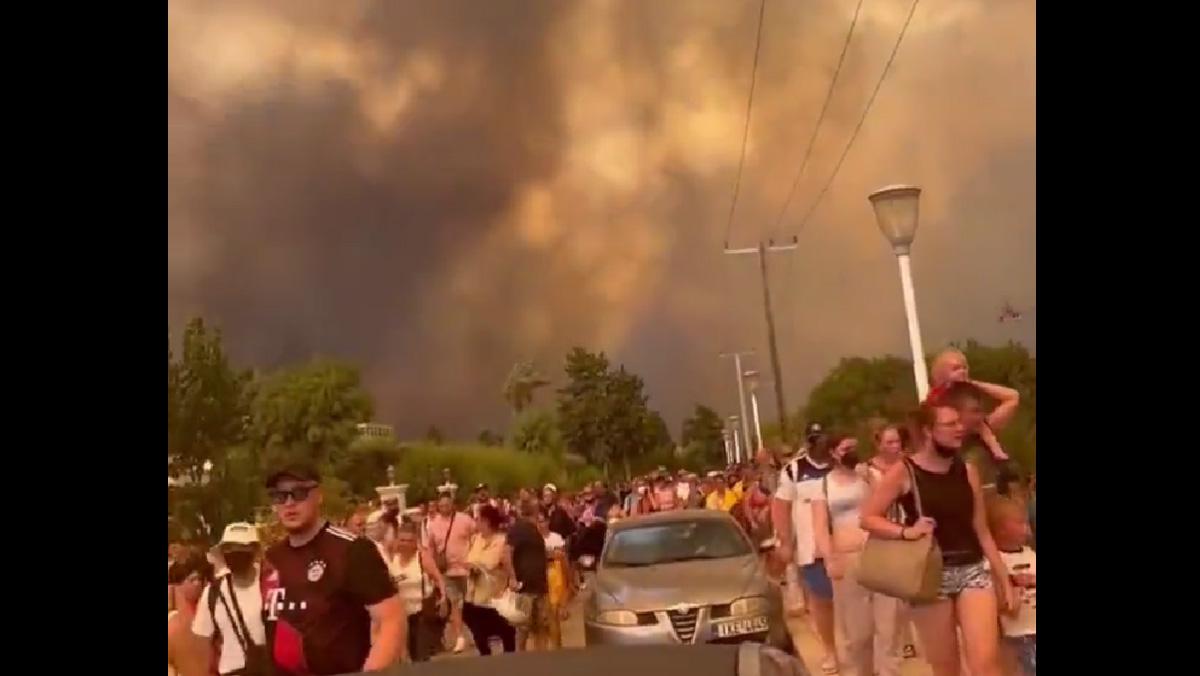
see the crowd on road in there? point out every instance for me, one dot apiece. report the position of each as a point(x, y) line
point(386, 583)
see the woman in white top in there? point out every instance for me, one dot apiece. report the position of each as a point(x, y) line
point(417, 579)
point(866, 618)
point(892, 444)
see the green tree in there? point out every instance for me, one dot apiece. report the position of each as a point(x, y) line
point(603, 412)
point(522, 384)
point(535, 430)
point(858, 388)
point(581, 402)
point(205, 421)
point(310, 411)
point(703, 435)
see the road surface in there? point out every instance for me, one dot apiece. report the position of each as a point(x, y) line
point(802, 634)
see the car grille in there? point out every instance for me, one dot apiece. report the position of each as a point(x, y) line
point(684, 623)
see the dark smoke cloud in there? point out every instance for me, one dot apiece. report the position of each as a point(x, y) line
point(438, 189)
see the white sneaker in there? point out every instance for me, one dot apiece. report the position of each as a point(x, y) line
point(460, 645)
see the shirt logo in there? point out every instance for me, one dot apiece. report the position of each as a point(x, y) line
point(316, 570)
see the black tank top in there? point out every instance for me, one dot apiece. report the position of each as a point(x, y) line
point(948, 500)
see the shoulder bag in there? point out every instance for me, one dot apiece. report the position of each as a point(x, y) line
point(439, 557)
point(910, 570)
point(257, 661)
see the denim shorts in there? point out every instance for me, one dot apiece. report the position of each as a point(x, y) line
point(456, 588)
point(816, 580)
point(956, 579)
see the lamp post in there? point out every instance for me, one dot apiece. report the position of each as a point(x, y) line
point(393, 491)
point(752, 378)
point(897, 212)
point(737, 446)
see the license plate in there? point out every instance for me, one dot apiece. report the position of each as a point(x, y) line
point(753, 625)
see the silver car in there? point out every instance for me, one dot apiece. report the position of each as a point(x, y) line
point(686, 576)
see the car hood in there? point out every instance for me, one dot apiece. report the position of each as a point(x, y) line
point(671, 584)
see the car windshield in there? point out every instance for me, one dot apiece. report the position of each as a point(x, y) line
point(674, 542)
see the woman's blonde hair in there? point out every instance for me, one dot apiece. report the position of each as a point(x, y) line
point(937, 368)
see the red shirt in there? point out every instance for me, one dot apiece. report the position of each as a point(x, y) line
point(317, 604)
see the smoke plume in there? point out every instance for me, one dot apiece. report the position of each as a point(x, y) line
point(437, 189)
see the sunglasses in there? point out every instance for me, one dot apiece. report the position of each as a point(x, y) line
point(280, 496)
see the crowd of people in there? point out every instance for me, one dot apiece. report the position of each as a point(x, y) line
point(470, 567)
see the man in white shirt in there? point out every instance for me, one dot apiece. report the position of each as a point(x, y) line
point(791, 512)
point(231, 607)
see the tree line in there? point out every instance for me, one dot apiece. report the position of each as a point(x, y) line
point(226, 424)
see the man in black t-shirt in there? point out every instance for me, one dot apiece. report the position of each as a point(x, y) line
point(327, 590)
point(525, 555)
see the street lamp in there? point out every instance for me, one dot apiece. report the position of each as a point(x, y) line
point(752, 378)
point(737, 447)
point(897, 212)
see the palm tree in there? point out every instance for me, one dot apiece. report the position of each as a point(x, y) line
point(522, 383)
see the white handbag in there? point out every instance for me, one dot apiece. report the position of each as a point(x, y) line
point(511, 607)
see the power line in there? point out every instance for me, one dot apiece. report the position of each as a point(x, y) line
point(812, 139)
point(862, 120)
point(737, 183)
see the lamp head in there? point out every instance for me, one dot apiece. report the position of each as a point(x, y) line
point(897, 213)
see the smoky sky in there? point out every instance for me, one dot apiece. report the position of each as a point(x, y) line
point(436, 189)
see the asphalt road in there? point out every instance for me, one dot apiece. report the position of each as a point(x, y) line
point(806, 644)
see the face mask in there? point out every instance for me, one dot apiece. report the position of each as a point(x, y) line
point(945, 451)
point(239, 562)
point(849, 459)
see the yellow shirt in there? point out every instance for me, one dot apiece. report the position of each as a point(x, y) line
point(722, 501)
point(738, 490)
point(484, 556)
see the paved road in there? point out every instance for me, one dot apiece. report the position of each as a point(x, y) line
point(806, 643)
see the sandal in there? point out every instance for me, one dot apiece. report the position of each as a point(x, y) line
point(829, 666)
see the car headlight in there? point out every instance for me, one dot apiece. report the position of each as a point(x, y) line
point(617, 618)
point(751, 605)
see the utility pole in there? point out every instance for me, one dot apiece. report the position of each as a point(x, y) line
point(741, 383)
point(761, 251)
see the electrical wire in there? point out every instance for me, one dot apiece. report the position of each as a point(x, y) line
point(887, 67)
point(737, 183)
point(812, 139)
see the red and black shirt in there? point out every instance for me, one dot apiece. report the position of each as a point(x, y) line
point(316, 607)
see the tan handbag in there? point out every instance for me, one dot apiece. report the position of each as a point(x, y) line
point(910, 570)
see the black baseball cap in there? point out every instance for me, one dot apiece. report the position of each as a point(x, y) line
point(813, 429)
point(302, 471)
